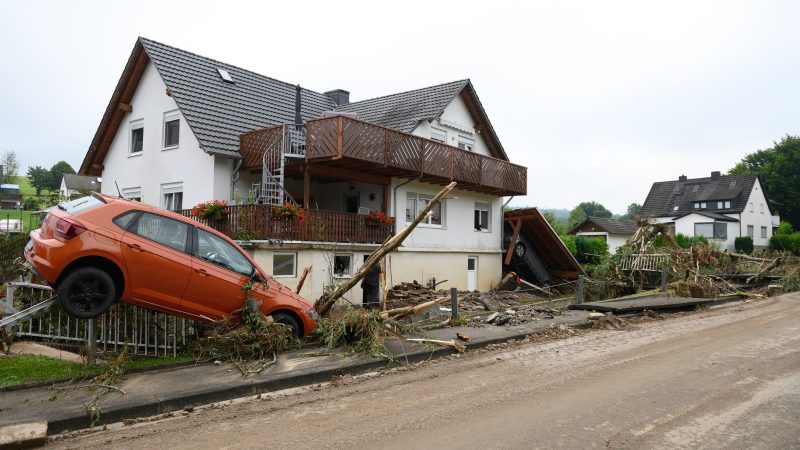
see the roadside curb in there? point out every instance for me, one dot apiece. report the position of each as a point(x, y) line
point(165, 405)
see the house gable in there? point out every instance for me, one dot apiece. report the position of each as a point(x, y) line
point(682, 196)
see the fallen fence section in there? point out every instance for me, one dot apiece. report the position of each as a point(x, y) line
point(139, 331)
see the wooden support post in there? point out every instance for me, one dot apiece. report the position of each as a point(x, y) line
point(384, 286)
point(302, 279)
point(514, 237)
point(306, 186)
point(580, 292)
point(453, 303)
point(385, 208)
point(664, 279)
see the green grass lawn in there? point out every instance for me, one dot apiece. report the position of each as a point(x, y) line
point(20, 369)
point(28, 222)
point(25, 187)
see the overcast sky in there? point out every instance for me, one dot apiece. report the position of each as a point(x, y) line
point(597, 98)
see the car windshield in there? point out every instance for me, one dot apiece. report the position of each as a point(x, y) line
point(79, 204)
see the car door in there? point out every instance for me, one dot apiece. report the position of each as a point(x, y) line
point(158, 265)
point(219, 270)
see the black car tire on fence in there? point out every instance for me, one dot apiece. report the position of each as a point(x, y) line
point(87, 292)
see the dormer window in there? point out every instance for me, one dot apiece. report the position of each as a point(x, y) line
point(700, 205)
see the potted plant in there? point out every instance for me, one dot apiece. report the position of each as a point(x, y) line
point(288, 211)
point(213, 209)
point(376, 218)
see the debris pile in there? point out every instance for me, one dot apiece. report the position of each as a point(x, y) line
point(519, 315)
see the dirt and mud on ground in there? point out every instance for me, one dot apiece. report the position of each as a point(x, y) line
point(719, 378)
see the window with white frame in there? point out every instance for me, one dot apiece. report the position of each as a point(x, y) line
point(284, 264)
point(132, 193)
point(415, 203)
point(763, 232)
point(342, 265)
point(750, 230)
point(727, 204)
point(720, 205)
point(762, 208)
point(712, 230)
point(468, 146)
point(172, 196)
point(751, 206)
point(482, 217)
point(172, 125)
point(439, 136)
point(137, 137)
point(700, 205)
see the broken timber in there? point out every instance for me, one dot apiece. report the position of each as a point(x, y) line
point(323, 304)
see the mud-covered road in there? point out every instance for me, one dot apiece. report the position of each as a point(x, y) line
point(722, 378)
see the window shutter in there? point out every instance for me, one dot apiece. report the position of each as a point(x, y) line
point(720, 230)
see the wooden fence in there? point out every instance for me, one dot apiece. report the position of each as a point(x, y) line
point(251, 222)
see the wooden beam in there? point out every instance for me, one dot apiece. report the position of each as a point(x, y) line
point(567, 274)
point(340, 137)
point(125, 107)
point(346, 174)
point(306, 186)
point(514, 237)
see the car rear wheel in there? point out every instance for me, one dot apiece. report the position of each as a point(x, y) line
point(287, 320)
point(519, 250)
point(87, 292)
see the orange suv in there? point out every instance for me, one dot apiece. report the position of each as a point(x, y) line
point(100, 249)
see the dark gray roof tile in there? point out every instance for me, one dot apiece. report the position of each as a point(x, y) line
point(664, 196)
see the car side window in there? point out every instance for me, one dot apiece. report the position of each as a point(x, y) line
point(169, 232)
point(218, 251)
point(124, 220)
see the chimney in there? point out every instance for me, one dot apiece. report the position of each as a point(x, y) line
point(715, 175)
point(682, 178)
point(339, 96)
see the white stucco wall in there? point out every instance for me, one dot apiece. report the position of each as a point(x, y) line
point(457, 231)
point(758, 217)
point(614, 241)
point(456, 113)
point(401, 267)
point(187, 164)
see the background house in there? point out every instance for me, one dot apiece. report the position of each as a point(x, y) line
point(72, 184)
point(719, 208)
point(615, 232)
point(181, 129)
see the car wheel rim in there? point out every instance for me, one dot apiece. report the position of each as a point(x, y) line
point(87, 293)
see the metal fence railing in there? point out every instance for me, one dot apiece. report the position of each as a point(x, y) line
point(138, 330)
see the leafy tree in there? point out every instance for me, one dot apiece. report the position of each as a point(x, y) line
point(558, 226)
point(57, 173)
point(10, 165)
point(784, 228)
point(779, 169)
point(39, 178)
point(586, 209)
point(633, 210)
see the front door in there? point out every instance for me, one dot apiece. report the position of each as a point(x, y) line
point(157, 263)
point(219, 270)
point(472, 273)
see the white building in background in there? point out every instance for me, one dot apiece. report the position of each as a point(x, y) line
point(719, 208)
point(181, 129)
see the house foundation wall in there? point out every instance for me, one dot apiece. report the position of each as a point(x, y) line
point(402, 266)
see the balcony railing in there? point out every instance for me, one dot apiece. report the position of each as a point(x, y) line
point(384, 150)
point(256, 222)
point(345, 138)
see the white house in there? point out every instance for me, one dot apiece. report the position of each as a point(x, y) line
point(181, 129)
point(72, 184)
point(615, 232)
point(719, 208)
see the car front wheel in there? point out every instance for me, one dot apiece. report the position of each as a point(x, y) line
point(87, 292)
point(287, 320)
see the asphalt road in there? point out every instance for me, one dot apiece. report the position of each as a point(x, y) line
point(723, 378)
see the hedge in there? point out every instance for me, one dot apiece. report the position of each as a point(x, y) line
point(743, 244)
point(790, 242)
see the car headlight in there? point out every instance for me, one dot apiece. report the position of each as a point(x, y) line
point(313, 314)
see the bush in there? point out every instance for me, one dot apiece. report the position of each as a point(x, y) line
point(686, 241)
point(788, 242)
point(590, 250)
point(569, 242)
point(791, 283)
point(743, 244)
point(30, 203)
point(784, 228)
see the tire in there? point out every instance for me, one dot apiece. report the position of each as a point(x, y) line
point(519, 250)
point(87, 292)
point(287, 319)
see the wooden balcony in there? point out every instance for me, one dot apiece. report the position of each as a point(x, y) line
point(255, 222)
point(358, 146)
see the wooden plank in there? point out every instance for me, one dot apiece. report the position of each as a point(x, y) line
point(514, 237)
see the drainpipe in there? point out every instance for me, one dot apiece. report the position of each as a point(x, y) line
point(394, 193)
point(507, 202)
point(235, 175)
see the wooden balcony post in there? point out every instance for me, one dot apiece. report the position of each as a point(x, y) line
point(306, 186)
point(421, 156)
